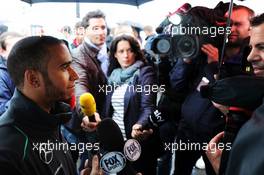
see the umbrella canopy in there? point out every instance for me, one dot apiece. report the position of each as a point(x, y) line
point(128, 2)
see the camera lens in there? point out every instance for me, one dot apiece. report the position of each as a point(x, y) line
point(163, 46)
point(186, 46)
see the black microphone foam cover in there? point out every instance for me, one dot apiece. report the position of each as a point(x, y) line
point(111, 139)
point(110, 135)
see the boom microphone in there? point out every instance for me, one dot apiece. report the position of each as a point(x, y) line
point(112, 143)
point(88, 105)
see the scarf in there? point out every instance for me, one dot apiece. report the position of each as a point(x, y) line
point(103, 58)
point(120, 76)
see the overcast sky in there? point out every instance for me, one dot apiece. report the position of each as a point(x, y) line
point(54, 15)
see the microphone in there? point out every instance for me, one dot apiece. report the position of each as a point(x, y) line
point(155, 120)
point(112, 143)
point(110, 135)
point(88, 105)
point(183, 9)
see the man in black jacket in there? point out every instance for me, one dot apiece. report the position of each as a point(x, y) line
point(30, 139)
point(246, 156)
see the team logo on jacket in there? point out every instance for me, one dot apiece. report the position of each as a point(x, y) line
point(45, 154)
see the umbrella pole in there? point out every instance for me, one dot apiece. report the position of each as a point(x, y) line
point(77, 9)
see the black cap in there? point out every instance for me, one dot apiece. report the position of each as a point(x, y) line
point(241, 91)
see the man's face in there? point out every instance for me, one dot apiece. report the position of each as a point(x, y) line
point(80, 31)
point(256, 56)
point(240, 27)
point(96, 31)
point(60, 78)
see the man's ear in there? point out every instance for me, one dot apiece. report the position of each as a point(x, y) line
point(32, 78)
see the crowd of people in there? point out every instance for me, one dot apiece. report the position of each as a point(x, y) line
point(42, 79)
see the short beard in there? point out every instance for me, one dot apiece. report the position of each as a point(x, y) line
point(235, 44)
point(51, 92)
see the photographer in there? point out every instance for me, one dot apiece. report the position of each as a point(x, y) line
point(246, 155)
point(200, 120)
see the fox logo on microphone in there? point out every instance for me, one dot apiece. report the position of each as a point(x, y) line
point(132, 150)
point(113, 162)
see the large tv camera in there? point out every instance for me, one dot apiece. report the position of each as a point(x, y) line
point(182, 33)
point(179, 40)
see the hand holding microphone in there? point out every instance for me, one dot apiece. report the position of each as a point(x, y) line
point(143, 131)
point(155, 120)
point(94, 169)
point(140, 133)
point(88, 108)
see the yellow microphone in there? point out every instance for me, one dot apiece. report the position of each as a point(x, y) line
point(88, 105)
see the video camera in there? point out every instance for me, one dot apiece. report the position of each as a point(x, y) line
point(182, 33)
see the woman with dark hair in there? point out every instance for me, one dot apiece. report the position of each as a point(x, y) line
point(134, 47)
point(132, 100)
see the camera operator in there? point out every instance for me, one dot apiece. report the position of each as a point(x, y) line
point(237, 42)
point(200, 120)
point(246, 154)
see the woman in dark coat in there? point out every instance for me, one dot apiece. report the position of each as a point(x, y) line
point(132, 99)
